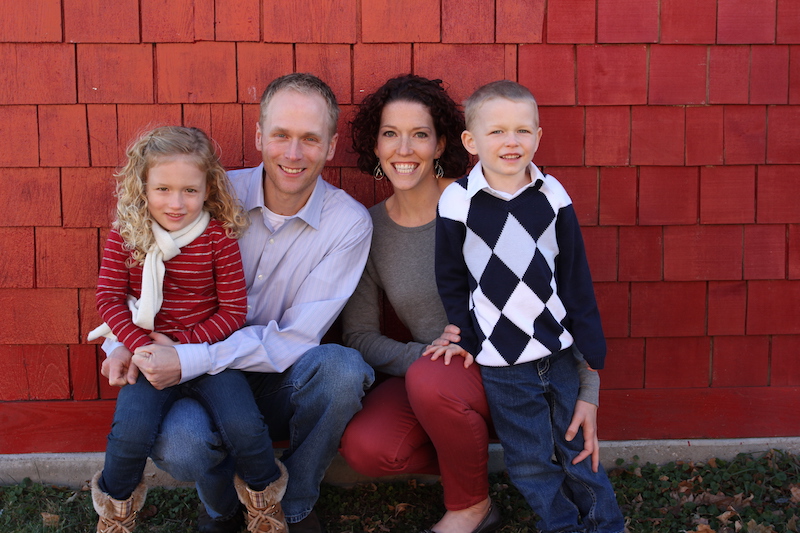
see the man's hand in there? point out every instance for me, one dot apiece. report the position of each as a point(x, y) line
point(585, 417)
point(118, 369)
point(159, 364)
point(450, 334)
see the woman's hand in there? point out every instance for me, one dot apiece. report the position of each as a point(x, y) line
point(585, 416)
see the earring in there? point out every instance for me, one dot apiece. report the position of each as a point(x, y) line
point(378, 172)
point(437, 167)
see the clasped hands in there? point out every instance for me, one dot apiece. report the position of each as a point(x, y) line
point(158, 362)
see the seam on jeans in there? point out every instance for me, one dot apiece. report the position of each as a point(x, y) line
point(591, 515)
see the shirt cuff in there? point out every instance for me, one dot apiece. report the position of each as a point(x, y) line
point(195, 360)
point(109, 346)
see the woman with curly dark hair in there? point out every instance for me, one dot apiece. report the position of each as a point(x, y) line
point(409, 132)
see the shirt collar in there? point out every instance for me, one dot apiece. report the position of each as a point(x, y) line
point(476, 181)
point(310, 213)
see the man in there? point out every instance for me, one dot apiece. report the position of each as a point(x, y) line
point(303, 255)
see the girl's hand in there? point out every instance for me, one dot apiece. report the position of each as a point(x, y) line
point(119, 369)
point(160, 338)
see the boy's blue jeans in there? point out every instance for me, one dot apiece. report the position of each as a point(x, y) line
point(228, 400)
point(309, 405)
point(532, 406)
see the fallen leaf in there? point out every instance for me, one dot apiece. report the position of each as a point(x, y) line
point(753, 527)
point(725, 517)
point(795, 490)
point(148, 511)
point(685, 486)
point(50, 520)
point(704, 528)
point(401, 507)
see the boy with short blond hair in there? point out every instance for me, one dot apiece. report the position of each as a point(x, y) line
point(513, 275)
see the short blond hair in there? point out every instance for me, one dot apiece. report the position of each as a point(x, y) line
point(305, 84)
point(134, 222)
point(507, 89)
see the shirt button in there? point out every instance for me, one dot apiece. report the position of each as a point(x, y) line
point(272, 241)
point(261, 276)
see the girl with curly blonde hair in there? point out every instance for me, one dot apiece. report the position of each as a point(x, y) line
point(133, 217)
point(172, 273)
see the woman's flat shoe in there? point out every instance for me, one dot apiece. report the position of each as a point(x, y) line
point(490, 522)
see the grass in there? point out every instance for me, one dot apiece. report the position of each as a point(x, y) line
point(750, 494)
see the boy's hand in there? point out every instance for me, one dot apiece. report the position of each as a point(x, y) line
point(450, 334)
point(585, 416)
point(119, 369)
point(448, 352)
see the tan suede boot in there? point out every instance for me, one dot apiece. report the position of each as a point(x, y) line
point(264, 512)
point(116, 516)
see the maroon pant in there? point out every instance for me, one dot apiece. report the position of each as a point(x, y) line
point(404, 421)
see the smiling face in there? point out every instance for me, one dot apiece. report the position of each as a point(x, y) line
point(295, 143)
point(407, 144)
point(505, 135)
point(175, 190)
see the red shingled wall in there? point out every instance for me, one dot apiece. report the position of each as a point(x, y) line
point(673, 124)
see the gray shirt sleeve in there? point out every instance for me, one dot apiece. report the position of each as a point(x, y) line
point(361, 329)
point(590, 380)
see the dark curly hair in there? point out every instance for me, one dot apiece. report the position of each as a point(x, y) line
point(448, 121)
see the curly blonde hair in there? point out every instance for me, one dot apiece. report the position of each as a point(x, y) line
point(134, 222)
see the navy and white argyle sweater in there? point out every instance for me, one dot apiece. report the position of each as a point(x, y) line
point(513, 275)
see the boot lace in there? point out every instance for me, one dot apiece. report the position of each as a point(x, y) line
point(266, 520)
point(117, 525)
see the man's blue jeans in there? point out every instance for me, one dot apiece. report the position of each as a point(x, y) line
point(309, 405)
point(141, 408)
point(532, 406)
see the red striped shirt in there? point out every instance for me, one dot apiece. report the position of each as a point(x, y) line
point(205, 298)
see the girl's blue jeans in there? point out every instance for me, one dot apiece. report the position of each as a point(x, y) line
point(228, 400)
point(532, 406)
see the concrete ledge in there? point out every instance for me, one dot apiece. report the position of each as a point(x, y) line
point(75, 469)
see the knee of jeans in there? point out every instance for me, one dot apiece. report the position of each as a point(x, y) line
point(342, 370)
point(187, 446)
